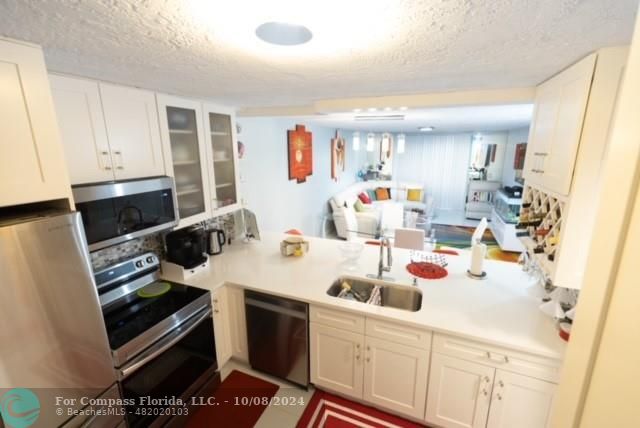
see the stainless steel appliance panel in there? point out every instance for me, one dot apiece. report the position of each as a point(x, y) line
point(53, 336)
point(278, 336)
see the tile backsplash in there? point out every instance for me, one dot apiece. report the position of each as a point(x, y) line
point(151, 243)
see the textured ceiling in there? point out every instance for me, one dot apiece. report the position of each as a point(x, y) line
point(360, 48)
point(444, 120)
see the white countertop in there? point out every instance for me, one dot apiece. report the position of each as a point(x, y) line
point(499, 310)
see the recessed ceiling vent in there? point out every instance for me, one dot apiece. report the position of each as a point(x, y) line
point(366, 118)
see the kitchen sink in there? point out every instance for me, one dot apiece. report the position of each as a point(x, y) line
point(364, 290)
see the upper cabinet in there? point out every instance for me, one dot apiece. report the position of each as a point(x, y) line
point(82, 128)
point(556, 128)
point(222, 155)
point(185, 156)
point(131, 118)
point(109, 132)
point(32, 164)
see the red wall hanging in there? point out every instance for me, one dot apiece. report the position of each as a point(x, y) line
point(300, 154)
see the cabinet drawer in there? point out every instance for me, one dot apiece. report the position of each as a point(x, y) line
point(398, 333)
point(502, 358)
point(338, 319)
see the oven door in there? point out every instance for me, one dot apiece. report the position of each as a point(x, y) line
point(178, 365)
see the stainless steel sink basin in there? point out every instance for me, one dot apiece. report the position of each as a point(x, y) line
point(391, 295)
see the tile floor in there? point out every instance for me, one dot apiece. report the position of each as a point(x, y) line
point(274, 416)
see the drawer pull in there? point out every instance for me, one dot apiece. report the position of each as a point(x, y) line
point(503, 359)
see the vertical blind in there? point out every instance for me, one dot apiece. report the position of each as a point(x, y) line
point(440, 163)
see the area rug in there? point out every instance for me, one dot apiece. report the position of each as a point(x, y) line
point(237, 388)
point(460, 237)
point(330, 411)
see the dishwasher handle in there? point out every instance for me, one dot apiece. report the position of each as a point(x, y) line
point(275, 304)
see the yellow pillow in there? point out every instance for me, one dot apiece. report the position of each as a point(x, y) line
point(382, 194)
point(414, 195)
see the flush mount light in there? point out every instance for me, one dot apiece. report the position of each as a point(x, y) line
point(426, 128)
point(283, 34)
point(370, 141)
point(403, 108)
point(357, 110)
point(401, 140)
point(356, 141)
point(372, 109)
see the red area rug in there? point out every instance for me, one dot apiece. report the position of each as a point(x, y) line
point(329, 411)
point(229, 410)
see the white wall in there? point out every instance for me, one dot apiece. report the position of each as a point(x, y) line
point(279, 203)
point(514, 137)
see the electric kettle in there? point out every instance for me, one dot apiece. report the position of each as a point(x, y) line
point(217, 239)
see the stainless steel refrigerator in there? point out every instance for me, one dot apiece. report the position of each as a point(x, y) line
point(54, 352)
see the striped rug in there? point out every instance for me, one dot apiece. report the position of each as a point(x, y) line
point(329, 411)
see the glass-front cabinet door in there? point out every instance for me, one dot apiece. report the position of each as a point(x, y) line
point(185, 156)
point(223, 159)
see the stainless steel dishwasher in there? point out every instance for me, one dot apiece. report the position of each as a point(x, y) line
point(278, 336)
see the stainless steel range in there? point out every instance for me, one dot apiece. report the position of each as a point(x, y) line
point(160, 334)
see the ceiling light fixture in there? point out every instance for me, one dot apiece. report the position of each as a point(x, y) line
point(372, 109)
point(283, 33)
point(387, 109)
point(401, 141)
point(356, 141)
point(357, 110)
point(403, 108)
point(370, 141)
point(426, 128)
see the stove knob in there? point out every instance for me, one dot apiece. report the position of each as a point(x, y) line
point(150, 259)
point(139, 264)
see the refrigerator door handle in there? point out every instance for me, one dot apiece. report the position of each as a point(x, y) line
point(167, 342)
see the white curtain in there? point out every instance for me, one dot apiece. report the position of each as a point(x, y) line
point(440, 163)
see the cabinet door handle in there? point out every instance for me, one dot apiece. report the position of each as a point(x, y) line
point(501, 384)
point(106, 160)
point(120, 163)
point(540, 153)
point(486, 379)
point(499, 397)
point(484, 392)
point(368, 359)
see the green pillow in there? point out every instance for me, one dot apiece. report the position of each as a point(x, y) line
point(359, 206)
point(372, 194)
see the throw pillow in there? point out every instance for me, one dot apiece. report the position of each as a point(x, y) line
point(359, 206)
point(372, 194)
point(382, 194)
point(414, 195)
point(364, 198)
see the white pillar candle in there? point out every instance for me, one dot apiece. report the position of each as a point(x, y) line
point(478, 253)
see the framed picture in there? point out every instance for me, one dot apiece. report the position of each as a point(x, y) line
point(300, 152)
point(338, 153)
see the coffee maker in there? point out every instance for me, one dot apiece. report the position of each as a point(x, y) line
point(187, 247)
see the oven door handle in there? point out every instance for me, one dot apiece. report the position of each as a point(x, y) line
point(163, 344)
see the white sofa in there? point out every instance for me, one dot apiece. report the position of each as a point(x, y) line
point(367, 223)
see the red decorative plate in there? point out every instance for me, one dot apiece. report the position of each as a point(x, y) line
point(426, 270)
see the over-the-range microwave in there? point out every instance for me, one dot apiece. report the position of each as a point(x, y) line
point(118, 211)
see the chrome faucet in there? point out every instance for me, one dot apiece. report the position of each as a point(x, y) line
point(384, 241)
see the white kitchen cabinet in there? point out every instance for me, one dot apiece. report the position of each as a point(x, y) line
point(222, 158)
point(82, 128)
point(556, 128)
point(131, 119)
point(459, 393)
point(520, 401)
point(395, 376)
point(238, 324)
point(32, 163)
point(221, 325)
point(336, 359)
point(183, 142)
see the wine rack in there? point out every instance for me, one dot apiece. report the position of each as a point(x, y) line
point(540, 226)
